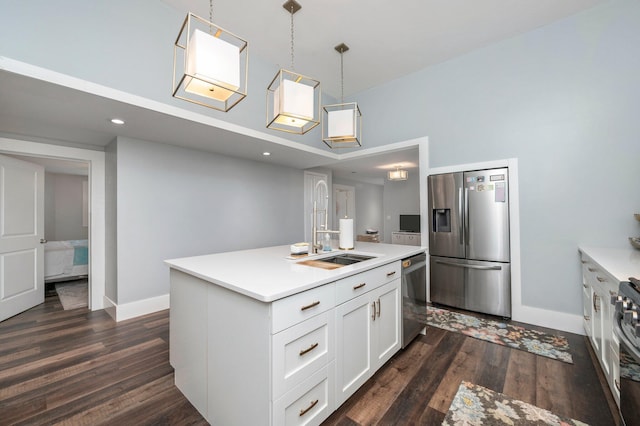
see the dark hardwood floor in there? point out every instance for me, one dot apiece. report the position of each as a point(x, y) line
point(79, 367)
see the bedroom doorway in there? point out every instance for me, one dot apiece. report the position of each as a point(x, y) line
point(65, 231)
point(92, 213)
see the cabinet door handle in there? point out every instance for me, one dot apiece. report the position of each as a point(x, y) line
point(378, 307)
point(309, 349)
point(373, 309)
point(316, 303)
point(584, 285)
point(591, 269)
point(617, 383)
point(587, 318)
point(355, 287)
point(595, 302)
point(390, 274)
point(305, 410)
point(601, 279)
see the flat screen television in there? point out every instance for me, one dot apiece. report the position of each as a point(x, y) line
point(410, 222)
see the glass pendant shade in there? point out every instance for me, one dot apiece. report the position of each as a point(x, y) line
point(293, 103)
point(210, 65)
point(342, 125)
point(398, 174)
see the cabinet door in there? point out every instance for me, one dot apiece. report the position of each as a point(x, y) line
point(586, 308)
point(597, 320)
point(386, 326)
point(397, 238)
point(353, 345)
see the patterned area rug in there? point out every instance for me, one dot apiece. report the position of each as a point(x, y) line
point(73, 294)
point(513, 336)
point(474, 405)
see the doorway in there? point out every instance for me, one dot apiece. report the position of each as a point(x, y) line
point(96, 203)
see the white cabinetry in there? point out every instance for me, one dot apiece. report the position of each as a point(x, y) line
point(406, 238)
point(598, 287)
point(241, 361)
point(367, 327)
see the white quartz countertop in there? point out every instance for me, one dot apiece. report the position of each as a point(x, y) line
point(268, 274)
point(622, 263)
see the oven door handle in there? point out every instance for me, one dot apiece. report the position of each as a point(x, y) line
point(623, 339)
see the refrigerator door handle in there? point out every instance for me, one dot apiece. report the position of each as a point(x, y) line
point(460, 215)
point(466, 219)
point(462, 265)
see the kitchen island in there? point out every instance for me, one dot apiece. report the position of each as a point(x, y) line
point(257, 337)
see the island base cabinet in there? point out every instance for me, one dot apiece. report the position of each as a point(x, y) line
point(310, 403)
point(368, 334)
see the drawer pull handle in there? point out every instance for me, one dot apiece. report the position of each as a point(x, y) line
point(601, 279)
point(584, 285)
point(390, 274)
point(316, 303)
point(591, 269)
point(587, 318)
point(584, 261)
point(305, 410)
point(309, 349)
point(355, 287)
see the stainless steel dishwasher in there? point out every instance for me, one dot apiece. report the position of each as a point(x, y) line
point(414, 297)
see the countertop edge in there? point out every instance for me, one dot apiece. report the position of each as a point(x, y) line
point(268, 297)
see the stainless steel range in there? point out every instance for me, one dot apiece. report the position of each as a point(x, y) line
point(626, 325)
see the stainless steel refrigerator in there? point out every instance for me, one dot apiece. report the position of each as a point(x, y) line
point(469, 241)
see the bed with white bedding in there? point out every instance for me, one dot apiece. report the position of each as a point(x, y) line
point(66, 260)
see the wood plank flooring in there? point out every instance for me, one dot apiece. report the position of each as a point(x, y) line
point(81, 368)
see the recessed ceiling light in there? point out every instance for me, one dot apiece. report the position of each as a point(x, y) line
point(118, 121)
point(266, 154)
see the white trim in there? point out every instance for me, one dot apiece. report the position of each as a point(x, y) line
point(551, 319)
point(96, 160)
point(137, 308)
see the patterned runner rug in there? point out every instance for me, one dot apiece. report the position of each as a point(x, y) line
point(73, 294)
point(513, 336)
point(474, 405)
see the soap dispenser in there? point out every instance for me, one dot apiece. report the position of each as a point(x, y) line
point(327, 243)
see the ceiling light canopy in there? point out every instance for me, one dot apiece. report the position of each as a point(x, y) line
point(293, 100)
point(342, 123)
point(210, 64)
point(398, 174)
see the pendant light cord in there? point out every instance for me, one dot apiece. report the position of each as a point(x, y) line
point(341, 76)
point(210, 17)
point(292, 67)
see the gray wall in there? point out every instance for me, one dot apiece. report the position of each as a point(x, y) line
point(111, 221)
point(126, 45)
point(369, 206)
point(564, 100)
point(63, 207)
point(176, 202)
point(400, 197)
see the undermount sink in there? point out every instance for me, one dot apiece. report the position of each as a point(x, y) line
point(337, 261)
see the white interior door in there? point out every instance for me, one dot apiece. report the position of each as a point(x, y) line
point(21, 236)
point(345, 203)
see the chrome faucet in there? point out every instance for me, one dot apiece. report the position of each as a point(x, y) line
point(314, 230)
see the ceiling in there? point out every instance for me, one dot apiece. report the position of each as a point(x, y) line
point(408, 38)
point(404, 35)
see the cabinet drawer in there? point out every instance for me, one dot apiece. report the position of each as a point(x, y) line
point(309, 403)
point(355, 285)
point(301, 350)
point(297, 308)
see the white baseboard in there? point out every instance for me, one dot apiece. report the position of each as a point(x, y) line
point(135, 309)
point(550, 319)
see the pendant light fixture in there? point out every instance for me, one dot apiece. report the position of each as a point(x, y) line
point(398, 174)
point(293, 100)
point(342, 123)
point(210, 64)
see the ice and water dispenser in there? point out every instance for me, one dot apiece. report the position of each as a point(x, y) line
point(441, 220)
